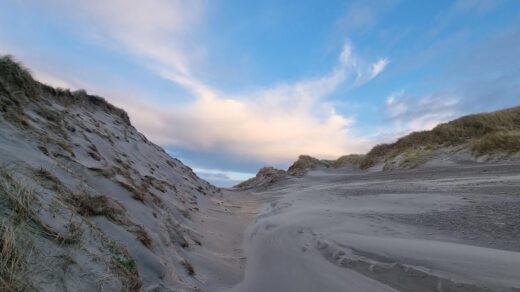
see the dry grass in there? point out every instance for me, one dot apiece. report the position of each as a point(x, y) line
point(142, 236)
point(497, 143)
point(21, 199)
point(125, 265)
point(18, 76)
point(93, 152)
point(106, 172)
point(47, 179)
point(352, 159)
point(304, 163)
point(73, 234)
point(189, 267)
point(18, 196)
point(101, 205)
point(13, 265)
point(137, 194)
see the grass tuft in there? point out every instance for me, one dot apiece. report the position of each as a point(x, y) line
point(497, 143)
point(13, 265)
point(142, 236)
point(101, 205)
point(125, 265)
point(15, 74)
point(189, 267)
point(17, 195)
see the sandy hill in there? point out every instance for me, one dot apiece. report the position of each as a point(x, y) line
point(86, 201)
point(485, 136)
point(481, 137)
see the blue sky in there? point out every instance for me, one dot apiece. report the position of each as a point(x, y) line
point(231, 86)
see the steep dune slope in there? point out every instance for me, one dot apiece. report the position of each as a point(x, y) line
point(95, 204)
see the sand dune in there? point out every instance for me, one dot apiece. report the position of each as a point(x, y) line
point(388, 231)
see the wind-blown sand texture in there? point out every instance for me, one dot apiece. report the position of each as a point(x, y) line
point(431, 229)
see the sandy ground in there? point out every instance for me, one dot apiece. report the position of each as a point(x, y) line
point(220, 260)
point(451, 228)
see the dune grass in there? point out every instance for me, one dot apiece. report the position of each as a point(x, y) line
point(13, 265)
point(189, 267)
point(14, 73)
point(16, 195)
point(505, 142)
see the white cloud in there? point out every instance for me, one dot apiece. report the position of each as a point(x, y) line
point(346, 53)
point(395, 106)
point(478, 6)
point(274, 124)
point(378, 67)
point(158, 31)
point(50, 79)
point(409, 113)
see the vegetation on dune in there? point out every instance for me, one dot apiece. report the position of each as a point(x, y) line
point(351, 159)
point(189, 267)
point(13, 264)
point(17, 86)
point(304, 163)
point(506, 142)
point(15, 74)
point(485, 134)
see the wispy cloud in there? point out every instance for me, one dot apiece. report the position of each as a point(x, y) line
point(378, 67)
point(271, 124)
point(361, 15)
point(407, 113)
point(477, 6)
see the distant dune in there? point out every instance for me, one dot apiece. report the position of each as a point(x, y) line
point(481, 137)
point(486, 136)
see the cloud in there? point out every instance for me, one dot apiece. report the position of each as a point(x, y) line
point(50, 79)
point(360, 16)
point(378, 67)
point(157, 31)
point(476, 6)
point(457, 10)
point(222, 178)
point(272, 124)
point(407, 113)
point(395, 106)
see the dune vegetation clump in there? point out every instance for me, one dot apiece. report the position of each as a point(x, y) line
point(13, 264)
point(189, 267)
point(304, 163)
point(505, 142)
point(15, 74)
point(351, 159)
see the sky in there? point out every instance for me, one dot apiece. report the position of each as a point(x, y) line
point(231, 86)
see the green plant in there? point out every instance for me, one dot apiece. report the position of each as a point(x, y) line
point(125, 264)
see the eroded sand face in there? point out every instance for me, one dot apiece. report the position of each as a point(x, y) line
point(432, 229)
